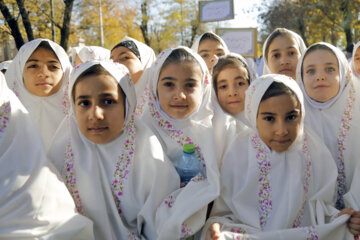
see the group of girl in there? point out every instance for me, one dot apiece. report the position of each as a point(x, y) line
point(278, 153)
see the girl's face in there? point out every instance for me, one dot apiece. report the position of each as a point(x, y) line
point(321, 75)
point(210, 51)
point(99, 107)
point(283, 56)
point(126, 57)
point(179, 89)
point(357, 60)
point(278, 121)
point(232, 84)
point(43, 73)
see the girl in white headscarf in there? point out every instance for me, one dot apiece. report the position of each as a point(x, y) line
point(210, 47)
point(137, 57)
point(34, 203)
point(333, 107)
point(355, 61)
point(111, 163)
point(277, 180)
point(87, 53)
point(281, 51)
point(39, 76)
point(178, 109)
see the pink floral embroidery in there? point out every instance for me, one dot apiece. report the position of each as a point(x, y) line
point(311, 233)
point(307, 176)
point(132, 236)
point(124, 163)
point(171, 131)
point(169, 201)
point(185, 231)
point(198, 178)
point(238, 230)
point(4, 115)
point(15, 89)
point(140, 106)
point(343, 133)
point(265, 202)
point(66, 99)
point(70, 177)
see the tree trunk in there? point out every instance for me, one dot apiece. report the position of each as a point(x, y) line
point(65, 29)
point(11, 21)
point(144, 22)
point(25, 19)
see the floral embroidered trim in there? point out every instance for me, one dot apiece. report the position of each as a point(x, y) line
point(198, 178)
point(307, 176)
point(239, 231)
point(66, 100)
point(265, 202)
point(169, 201)
point(140, 106)
point(172, 132)
point(70, 177)
point(185, 231)
point(124, 163)
point(15, 89)
point(311, 233)
point(344, 131)
point(5, 110)
point(131, 236)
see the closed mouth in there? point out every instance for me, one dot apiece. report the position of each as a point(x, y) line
point(282, 141)
point(234, 102)
point(179, 106)
point(285, 70)
point(43, 84)
point(97, 129)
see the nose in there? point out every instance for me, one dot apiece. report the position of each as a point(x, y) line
point(281, 128)
point(233, 91)
point(43, 71)
point(284, 60)
point(320, 76)
point(97, 113)
point(179, 94)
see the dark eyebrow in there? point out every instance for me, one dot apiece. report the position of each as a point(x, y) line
point(268, 113)
point(82, 97)
point(168, 78)
point(101, 95)
point(294, 111)
point(204, 50)
point(122, 53)
point(275, 50)
point(36, 60)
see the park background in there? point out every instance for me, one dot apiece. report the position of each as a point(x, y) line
point(165, 23)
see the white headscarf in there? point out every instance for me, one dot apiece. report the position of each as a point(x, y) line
point(184, 210)
point(352, 63)
point(196, 43)
point(339, 117)
point(115, 183)
point(34, 203)
point(88, 53)
point(147, 56)
point(5, 65)
point(298, 40)
point(47, 112)
point(271, 195)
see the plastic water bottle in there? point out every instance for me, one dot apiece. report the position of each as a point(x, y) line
point(188, 165)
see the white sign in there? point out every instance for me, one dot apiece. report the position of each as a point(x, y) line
point(216, 10)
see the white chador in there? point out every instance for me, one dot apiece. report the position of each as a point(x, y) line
point(88, 53)
point(270, 195)
point(196, 43)
point(298, 40)
point(183, 210)
point(47, 112)
point(352, 63)
point(336, 122)
point(147, 56)
point(34, 203)
point(116, 183)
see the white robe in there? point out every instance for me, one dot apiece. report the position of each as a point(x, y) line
point(116, 183)
point(271, 195)
point(339, 118)
point(34, 203)
point(47, 112)
point(183, 211)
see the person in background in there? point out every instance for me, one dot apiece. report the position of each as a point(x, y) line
point(88, 53)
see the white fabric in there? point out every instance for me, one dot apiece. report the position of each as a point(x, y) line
point(147, 56)
point(5, 65)
point(298, 40)
point(184, 210)
point(352, 63)
point(88, 53)
point(196, 43)
point(47, 112)
point(115, 183)
point(34, 203)
point(271, 195)
point(339, 118)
